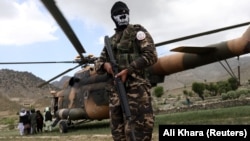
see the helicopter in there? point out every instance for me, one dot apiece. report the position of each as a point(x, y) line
point(84, 96)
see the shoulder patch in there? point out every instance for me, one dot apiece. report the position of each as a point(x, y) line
point(140, 35)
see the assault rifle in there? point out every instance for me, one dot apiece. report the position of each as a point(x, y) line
point(119, 86)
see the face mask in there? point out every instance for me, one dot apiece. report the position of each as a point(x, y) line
point(122, 19)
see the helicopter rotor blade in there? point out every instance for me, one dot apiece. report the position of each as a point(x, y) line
point(39, 86)
point(201, 34)
point(48, 62)
point(56, 13)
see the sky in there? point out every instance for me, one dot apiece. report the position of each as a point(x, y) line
point(28, 32)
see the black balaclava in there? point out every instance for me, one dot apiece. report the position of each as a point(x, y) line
point(120, 15)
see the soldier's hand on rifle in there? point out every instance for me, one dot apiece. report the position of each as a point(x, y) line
point(107, 66)
point(123, 75)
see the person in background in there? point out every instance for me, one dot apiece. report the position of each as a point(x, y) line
point(21, 114)
point(39, 121)
point(48, 119)
point(134, 51)
point(33, 121)
point(26, 122)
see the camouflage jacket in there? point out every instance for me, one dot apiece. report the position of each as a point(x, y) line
point(134, 50)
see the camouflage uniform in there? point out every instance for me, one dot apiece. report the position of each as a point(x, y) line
point(134, 52)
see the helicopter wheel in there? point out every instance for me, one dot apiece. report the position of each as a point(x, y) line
point(63, 127)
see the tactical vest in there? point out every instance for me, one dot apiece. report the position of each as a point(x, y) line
point(124, 46)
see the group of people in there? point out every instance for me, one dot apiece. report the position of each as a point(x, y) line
point(33, 121)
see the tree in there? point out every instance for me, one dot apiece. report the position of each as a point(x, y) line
point(223, 87)
point(233, 83)
point(199, 89)
point(212, 88)
point(158, 91)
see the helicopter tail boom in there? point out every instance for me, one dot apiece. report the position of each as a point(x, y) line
point(191, 57)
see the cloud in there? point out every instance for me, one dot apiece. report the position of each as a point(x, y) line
point(24, 23)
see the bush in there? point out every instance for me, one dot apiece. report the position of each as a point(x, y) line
point(232, 95)
point(242, 92)
point(158, 91)
point(224, 96)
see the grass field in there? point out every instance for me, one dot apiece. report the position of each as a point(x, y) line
point(99, 131)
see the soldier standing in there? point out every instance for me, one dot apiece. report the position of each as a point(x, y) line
point(134, 51)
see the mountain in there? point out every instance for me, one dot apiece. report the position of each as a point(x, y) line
point(21, 87)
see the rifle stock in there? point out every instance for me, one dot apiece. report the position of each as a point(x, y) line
point(119, 85)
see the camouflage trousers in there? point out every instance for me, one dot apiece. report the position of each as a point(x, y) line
point(142, 117)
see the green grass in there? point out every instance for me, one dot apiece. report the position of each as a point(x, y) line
point(233, 115)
